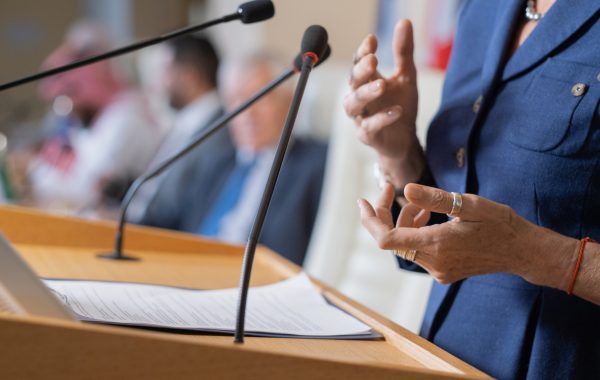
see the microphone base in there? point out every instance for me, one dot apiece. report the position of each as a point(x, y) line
point(116, 256)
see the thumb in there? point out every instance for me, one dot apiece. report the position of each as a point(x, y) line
point(403, 48)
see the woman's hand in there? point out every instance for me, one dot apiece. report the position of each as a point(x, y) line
point(488, 237)
point(385, 109)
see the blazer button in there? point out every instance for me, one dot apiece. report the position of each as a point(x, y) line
point(477, 104)
point(598, 77)
point(460, 157)
point(578, 89)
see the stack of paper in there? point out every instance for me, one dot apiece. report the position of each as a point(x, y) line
point(293, 307)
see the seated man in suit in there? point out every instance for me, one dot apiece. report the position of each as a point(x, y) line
point(225, 185)
point(191, 84)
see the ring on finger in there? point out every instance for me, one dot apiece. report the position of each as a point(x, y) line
point(406, 254)
point(456, 205)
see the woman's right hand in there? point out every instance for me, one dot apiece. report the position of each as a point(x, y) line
point(385, 109)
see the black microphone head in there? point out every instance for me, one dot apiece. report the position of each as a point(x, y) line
point(314, 41)
point(255, 11)
point(298, 59)
point(325, 55)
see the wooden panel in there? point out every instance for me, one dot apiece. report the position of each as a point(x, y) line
point(41, 349)
point(29, 31)
point(211, 266)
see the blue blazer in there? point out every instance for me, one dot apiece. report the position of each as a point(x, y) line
point(523, 131)
point(196, 184)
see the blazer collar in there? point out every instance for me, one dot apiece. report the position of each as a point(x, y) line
point(507, 19)
point(563, 20)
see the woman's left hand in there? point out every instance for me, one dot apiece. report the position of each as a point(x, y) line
point(487, 237)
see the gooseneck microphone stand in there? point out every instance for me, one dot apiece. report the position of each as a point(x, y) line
point(308, 61)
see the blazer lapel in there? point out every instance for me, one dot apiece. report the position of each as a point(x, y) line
point(563, 20)
point(506, 22)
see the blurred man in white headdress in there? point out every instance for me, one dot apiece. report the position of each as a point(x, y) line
point(109, 134)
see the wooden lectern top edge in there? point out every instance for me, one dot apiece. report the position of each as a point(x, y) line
point(23, 225)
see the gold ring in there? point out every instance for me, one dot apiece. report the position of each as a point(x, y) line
point(456, 205)
point(406, 254)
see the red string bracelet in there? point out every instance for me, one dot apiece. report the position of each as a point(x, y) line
point(584, 241)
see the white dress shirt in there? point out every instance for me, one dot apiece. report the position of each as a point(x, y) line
point(236, 225)
point(119, 144)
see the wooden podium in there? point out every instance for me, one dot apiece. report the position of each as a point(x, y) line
point(44, 348)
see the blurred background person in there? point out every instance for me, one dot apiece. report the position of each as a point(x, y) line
point(222, 194)
point(191, 82)
point(104, 136)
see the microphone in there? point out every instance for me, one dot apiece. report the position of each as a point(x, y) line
point(314, 46)
point(255, 11)
point(215, 126)
point(250, 12)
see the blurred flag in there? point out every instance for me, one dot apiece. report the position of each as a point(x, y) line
point(440, 22)
point(434, 24)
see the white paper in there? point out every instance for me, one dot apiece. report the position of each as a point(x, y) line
point(290, 307)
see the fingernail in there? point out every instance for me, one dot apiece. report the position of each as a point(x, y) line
point(394, 111)
point(375, 86)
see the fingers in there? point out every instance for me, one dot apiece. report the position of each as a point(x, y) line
point(367, 46)
point(378, 221)
point(356, 101)
point(387, 197)
point(413, 216)
point(422, 218)
point(375, 123)
point(384, 205)
point(368, 217)
point(366, 210)
point(386, 236)
point(403, 48)
point(364, 70)
point(474, 208)
point(364, 63)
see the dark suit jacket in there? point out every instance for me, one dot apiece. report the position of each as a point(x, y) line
point(195, 186)
point(532, 142)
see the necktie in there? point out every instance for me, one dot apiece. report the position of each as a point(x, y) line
point(227, 200)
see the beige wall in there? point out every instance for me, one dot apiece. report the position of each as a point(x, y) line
point(154, 17)
point(347, 22)
point(28, 31)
